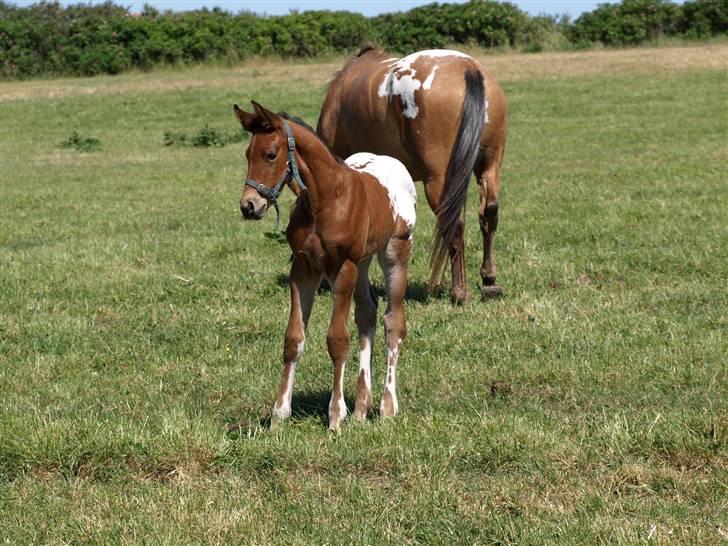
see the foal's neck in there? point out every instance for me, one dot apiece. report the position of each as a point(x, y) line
point(322, 173)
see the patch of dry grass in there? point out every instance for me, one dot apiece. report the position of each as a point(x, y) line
point(505, 66)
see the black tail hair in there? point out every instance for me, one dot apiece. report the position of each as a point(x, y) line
point(462, 160)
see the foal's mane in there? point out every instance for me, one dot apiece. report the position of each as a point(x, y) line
point(299, 121)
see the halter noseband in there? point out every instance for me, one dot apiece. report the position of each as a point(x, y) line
point(271, 194)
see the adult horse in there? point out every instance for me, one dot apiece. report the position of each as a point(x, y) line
point(443, 115)
point(344, 215)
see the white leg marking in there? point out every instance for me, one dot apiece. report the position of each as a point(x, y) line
point(282, 407)
point(339, 404)
point(390, 381)
point(365, 361)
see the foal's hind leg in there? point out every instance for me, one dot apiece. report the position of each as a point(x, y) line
point(365, 316)
point(303, 283)
point(488, 176)
point(394, 261)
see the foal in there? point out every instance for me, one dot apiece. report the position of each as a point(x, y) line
point(344, 215)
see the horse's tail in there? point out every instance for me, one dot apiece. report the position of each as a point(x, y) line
point(462, 160)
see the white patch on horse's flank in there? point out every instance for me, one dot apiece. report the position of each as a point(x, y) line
point(404, 86)
point(430, 78)
point(394, 177)
point(400, 79)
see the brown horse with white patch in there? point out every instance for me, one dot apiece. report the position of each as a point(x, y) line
point(443, 115)
point(344, 215)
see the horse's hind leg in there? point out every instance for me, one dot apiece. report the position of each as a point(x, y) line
point(488, 176)
point(365, 316)
point(303, 284)
point(434, 186)
point(394, 261)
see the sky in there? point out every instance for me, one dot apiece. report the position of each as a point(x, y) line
point(367, 7)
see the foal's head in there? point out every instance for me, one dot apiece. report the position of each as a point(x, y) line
point(267, 156)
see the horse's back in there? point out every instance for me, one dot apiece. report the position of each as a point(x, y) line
point(398, 106)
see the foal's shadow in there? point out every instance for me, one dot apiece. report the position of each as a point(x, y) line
point(314, 404)
point(303, 406)
point(416, 290)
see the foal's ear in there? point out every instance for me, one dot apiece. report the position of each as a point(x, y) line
point(270, 119)
point(247, 120)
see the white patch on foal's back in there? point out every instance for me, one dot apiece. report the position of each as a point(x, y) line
point(401, 78)
point(396, 180)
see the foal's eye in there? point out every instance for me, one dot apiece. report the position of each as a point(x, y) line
point(270, 156)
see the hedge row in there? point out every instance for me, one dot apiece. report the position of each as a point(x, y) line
point(48, 39)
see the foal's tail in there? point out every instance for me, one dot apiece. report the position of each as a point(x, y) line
point(462, 160)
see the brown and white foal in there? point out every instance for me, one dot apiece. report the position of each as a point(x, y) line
point(344, 215)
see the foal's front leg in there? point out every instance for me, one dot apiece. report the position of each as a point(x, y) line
point(303, 283)
point(338, 340)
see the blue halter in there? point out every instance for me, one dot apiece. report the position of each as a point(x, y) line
point(271, 194)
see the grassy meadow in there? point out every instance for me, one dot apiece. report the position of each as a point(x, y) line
point(141, 324)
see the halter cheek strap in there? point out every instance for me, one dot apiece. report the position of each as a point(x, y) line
point(271, 194)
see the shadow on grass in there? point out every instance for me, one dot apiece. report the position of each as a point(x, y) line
point(416, 290)
point(304, 406)
point(314, 404)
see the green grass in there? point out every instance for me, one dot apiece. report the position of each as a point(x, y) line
point(141, 329)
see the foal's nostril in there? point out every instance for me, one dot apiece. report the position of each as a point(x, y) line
point(247, 208)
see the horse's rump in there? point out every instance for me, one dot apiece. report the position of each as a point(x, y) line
point(427, 109)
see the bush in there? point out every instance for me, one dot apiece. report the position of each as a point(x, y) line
point(637, 21)
point(486, 23)
point(81, 143)
point(48, 39)
point(703, 18)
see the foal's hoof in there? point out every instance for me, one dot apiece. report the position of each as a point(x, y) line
point(389, 406)
point(337, 414)
point(279, 414)
point(491, 292)
point(335, 425)
point(362, 411)
point(360, 416)
point(458, 296)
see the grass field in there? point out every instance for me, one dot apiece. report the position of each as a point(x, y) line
point(141, 324)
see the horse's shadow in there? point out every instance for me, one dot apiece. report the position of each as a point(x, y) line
point(416, 291)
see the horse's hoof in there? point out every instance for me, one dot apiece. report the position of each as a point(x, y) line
point(490, 292)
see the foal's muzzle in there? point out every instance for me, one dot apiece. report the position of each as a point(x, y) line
point(251, 211)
